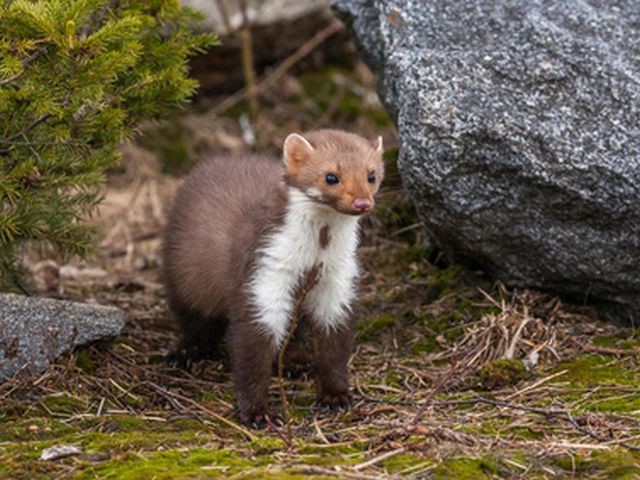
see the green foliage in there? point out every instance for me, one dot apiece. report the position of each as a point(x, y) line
point(75, 78)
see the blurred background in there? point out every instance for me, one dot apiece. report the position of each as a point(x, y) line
point(280, 67)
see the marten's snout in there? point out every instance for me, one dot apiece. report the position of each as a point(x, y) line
point(362, 204)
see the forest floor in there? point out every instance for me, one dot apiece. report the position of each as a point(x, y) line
point(453, 377)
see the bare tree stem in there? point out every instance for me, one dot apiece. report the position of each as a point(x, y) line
point(310, 281)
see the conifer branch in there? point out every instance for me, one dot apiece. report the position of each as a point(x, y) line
point(63, 113)
point(27, 129)
point(26, 62)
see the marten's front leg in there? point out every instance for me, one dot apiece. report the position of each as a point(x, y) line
point(252, 355)
point(332, 352)
point(329, 305)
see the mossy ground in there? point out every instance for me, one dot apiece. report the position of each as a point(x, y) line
point(423, 407)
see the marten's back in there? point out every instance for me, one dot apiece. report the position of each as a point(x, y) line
point(223, 209)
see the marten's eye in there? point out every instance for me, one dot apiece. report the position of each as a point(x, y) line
point(371, 178)
point(332, 179)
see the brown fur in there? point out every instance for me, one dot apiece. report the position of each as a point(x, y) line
point(332, 352)
point(325, 237)
point(349, 156)
point(221, 214)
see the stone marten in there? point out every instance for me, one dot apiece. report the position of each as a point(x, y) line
point(242, 235)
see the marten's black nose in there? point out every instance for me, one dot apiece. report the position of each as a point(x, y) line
point(362, 204)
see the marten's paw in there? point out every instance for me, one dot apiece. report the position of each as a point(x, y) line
point(297, 370)
point(335, 401)
point(298, 363)
point(180, 358)
point(261, 421)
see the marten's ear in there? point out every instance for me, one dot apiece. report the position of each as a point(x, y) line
point(297, 151)
point(376, 143)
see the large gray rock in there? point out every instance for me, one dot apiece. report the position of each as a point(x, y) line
point(520, 129)
point(35, 331)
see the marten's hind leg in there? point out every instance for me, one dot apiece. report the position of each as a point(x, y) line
point(200, 336)
point(252, 355)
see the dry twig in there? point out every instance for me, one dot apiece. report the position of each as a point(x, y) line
point(281, 69)
point(310, 281)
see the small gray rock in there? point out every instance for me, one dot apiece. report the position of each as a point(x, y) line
point(60, 451)
point(35, 331)
point(520, 130)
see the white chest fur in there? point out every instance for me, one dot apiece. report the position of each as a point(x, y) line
point(291, 252)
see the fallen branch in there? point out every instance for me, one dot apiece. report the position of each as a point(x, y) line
point(600, 438)
point(378, 459)
point(176, 396)
point(457, 367)
point(310, 281)
point(562, 413)
point(537, 384)
point(280, 70)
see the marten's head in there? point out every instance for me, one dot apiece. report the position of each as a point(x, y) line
point(335, 168)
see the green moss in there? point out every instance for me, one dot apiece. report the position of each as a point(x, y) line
point(615, 463)
point(353, 106)
point(109, 432)
point(84, 362)
point(328, 459)
point(402, 262)
point(443, 282)
point(394, 379)
point(607, 373)
point(397, 463)
point(425, 345)
point(605, 400)
point(33, 429)
point(64, 404)
point(351, 448)
point(126, 423)
point(527, 433)
point(606, 341)
point(502, 373)
point(620, 340)
point(197, 463)
point(292, 474)
point(466, 469)
point(266, 445)
point(373, 328)
point(208, 395)
point(588, 370)
point(324, 86)
point(502, 428)
point(439, 331)
point(410, 254)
